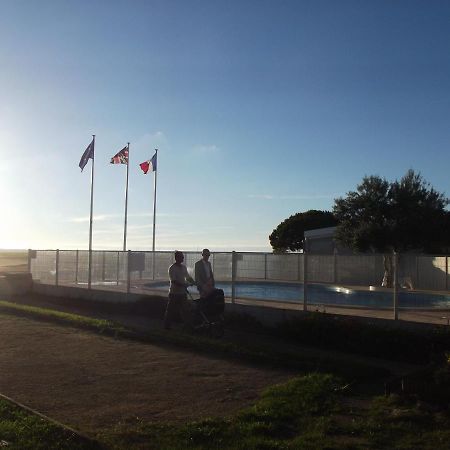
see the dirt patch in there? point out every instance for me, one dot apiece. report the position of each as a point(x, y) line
point(92, 382)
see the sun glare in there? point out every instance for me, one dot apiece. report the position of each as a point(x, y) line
point(11, 232)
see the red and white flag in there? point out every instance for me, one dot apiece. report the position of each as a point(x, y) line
point(149, 166)
point(121, 157)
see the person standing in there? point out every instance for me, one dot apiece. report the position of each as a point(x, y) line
point(180, 280)
point(204, 277)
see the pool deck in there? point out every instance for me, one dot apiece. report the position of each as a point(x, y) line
point(433, 316)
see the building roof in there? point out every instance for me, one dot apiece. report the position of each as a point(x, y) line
point(320, 233)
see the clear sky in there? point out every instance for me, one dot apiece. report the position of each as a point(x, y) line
point(260, 109)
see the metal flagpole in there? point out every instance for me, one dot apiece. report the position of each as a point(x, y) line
point(154, 201)
point(126, 203)
point(90, 217)
point(154, 213)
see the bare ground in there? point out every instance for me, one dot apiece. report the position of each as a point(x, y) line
point(13, 261)
point(92, 382)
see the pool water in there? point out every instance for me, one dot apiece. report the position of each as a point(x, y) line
point(325, 294)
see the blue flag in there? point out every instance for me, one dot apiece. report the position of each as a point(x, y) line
point(88, 153)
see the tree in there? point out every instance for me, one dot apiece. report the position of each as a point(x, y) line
point(400, 216)
point(419, 218)
point(363, 216)
point(289, 234)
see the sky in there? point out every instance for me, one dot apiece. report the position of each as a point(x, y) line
point(259, 108)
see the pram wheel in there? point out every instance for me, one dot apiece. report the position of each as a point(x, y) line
point(188, 327)
point(207, 315)
point(216, 329)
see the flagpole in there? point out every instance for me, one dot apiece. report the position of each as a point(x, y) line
point(154, 203)
point(154, 215)
point(90, 217)
point(126, 203)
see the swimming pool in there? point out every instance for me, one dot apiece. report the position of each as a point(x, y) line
point(319, 294)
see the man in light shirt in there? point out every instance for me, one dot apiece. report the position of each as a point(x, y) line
point(180, 280)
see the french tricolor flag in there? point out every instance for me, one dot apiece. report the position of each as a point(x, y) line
point(149, 166)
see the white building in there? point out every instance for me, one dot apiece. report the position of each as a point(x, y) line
point(320, 241)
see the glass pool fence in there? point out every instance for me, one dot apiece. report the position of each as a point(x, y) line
point(375, 284)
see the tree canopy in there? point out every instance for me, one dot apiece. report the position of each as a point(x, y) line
point(289, 234)
point(402, 215)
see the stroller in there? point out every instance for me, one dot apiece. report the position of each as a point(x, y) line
point(207, 314)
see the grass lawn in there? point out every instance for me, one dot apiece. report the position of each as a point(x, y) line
point(314, 411)
point(309, 412)
point(334, 408)
point(21, 429)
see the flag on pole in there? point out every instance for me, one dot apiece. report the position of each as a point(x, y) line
point(149, 165)
point(121, 157)
point(88, 154)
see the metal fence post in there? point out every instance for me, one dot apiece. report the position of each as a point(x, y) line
point(417, 284)
point(76, 266)
point(153, 265)
point(446, 273)
point(233, 276)
point(57, 268)
point(305, 282)
point(29, 261)
point(395, 264)
point(89, 269)
point(265, 266)
point(118, 269)
point(103, 265)
point(128, 271)
point(335, 266)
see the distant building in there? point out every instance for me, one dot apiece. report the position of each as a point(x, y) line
point(321, 242)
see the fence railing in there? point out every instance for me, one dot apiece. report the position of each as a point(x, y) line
point(257, 275)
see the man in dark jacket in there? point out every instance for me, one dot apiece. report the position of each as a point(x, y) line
point(204, 277)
